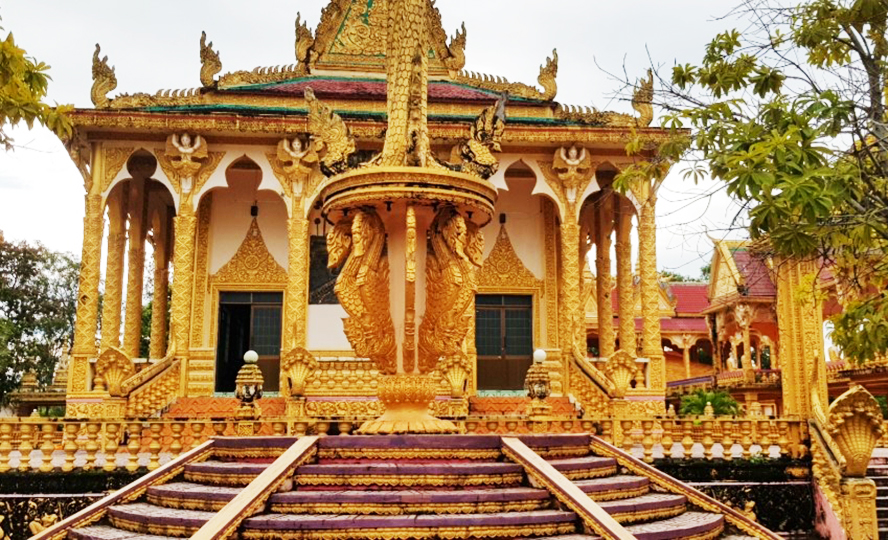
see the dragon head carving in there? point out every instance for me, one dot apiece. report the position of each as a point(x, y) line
point(339, 243)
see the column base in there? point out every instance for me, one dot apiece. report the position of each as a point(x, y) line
point(407, 399)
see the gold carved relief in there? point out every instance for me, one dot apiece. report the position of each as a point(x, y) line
point(115, 159)
point(252, 263)
point(112, 368)
point(356, 244)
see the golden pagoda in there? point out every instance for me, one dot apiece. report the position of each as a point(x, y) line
point(460, 207)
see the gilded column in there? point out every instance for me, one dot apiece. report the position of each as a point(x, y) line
point(117, 203)
point(604, 288)
point(296, 321)
point(571, 331)
point(161, 284)
point(647, 264)
point(132, 326)
point(88, 295)
point(184, 226)
point(625, 295)
point(743, 315)
point(800, 339)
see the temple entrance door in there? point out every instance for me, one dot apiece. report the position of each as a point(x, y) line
point(504, 340)
point(249, 320)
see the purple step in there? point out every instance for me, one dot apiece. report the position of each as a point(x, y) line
point(645, 507)
point(103, 532)
point(190, 496)
point(149, 519)
point(585, 467)
point(614, 487)
point(351, 526)
point(225, 473)
point(410, 501)
point(398, 474)
point(687, 525)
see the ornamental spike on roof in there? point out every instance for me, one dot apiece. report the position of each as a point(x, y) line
point(344, 61)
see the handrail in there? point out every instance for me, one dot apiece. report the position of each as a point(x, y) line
point(593, 515)
point(693, 495)
point(594, 374)
point(97, 510)
point(252, 498)
point(147, 375)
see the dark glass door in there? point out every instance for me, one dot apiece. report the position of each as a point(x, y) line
point(504, 340)
point(247, 321)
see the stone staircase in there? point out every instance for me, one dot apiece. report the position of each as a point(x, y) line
point(878, 471)
point(400, 487)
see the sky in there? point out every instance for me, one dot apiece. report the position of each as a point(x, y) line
point(154, 45)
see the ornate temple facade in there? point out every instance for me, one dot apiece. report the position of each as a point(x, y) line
point(225, 185)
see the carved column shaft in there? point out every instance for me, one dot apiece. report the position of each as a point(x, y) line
point(295, 327)
point(800, 339)
point(88, 295)
point(132, 330)
point(572, 338)
point(184, 227)
point(604, 286)
point(111, 301)
point(161, 285)
point(647, 264)
point(624, 277)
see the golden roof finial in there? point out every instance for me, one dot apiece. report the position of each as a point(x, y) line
point(210, 64)
point(104, 79)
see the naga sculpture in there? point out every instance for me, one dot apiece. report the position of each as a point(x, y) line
point(548, 72)
point(457, 52)
point(485, 137)
point(451, 284)
point(104, 79)
point(407, 137)
point(304, 42)
point(210, 64)
point(328, 133)
point(356, 244)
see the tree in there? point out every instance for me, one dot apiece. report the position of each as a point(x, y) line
point(791, 115)
point(722, 403)
point(38, 294)
point(23, 85)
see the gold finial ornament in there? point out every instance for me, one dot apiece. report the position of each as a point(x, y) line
point(112, 368)
point(621, 369)
point(457, 50)
point(330, 135)
point(297, 365)
point(485, 137)
point(304, 42)
point(210, 64)
point(548, 72)
point(642, 99)
point(104, 79)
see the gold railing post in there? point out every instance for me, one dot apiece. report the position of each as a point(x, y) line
point(47, 447)
point(72, 430)
point(25, 446)
point(6, 429)
point(133, 445)
point(112, 433)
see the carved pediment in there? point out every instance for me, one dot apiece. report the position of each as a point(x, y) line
point(503, 270)
point(252, 263)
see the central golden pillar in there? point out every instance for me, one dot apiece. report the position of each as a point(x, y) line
point(407, 232)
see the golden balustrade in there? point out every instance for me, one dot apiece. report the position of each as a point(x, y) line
point(67, 444)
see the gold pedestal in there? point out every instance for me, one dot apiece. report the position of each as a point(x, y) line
point(407, 399)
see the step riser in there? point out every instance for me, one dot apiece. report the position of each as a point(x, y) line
point(186, 504)
point(419, 508)
point(180, 531)
point(602, 496)
point(219, 479)
point(649, 515)
point(521, 531)
point(411, 481)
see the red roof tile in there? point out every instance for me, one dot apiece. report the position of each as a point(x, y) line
point(690, 297)
point(366, 89)
point(755, 274)
point(677, 324)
